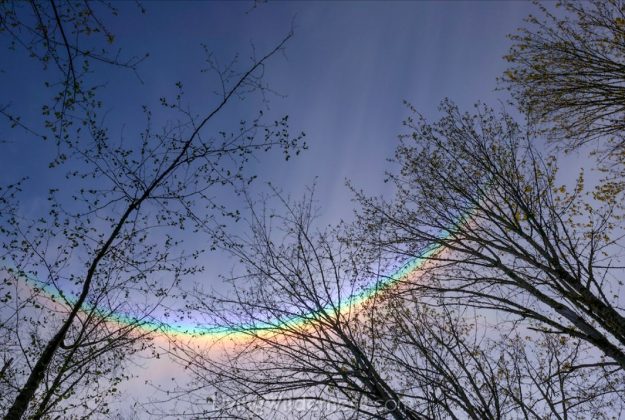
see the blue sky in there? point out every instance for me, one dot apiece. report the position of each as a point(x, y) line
point(344, 74)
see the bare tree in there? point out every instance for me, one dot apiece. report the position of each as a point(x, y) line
point(303, 345)
point(516, 241)
point(567, 72)
point(114, 244)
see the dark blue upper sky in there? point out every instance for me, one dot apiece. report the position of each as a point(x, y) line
point(345, 74)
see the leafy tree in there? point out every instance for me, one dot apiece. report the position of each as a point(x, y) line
point(566, 71)
point(111, 239)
